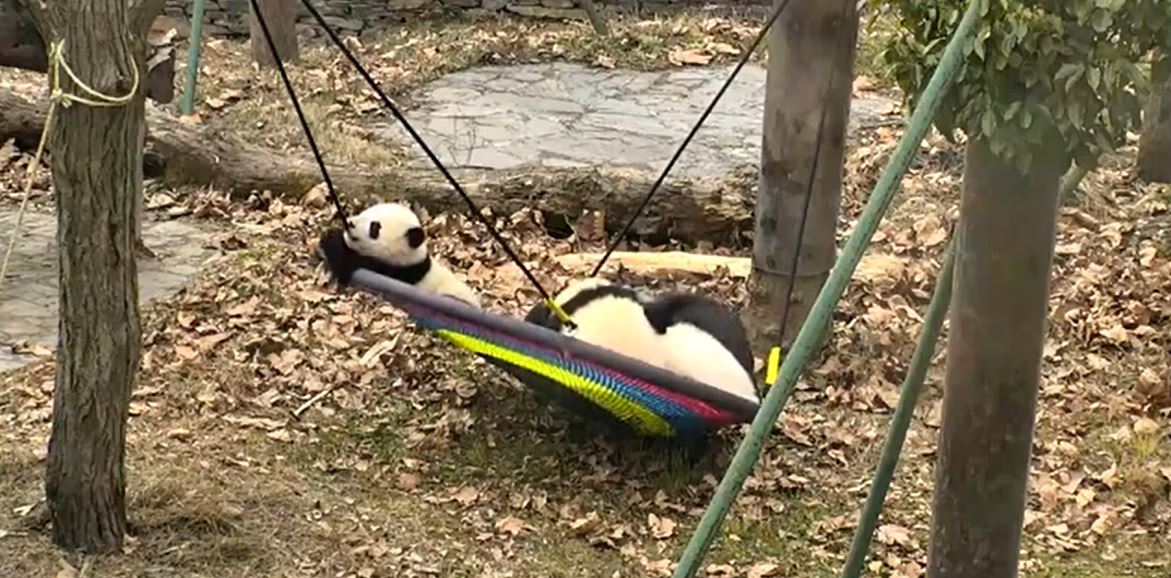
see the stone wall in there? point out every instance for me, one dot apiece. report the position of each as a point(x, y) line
point(229, 17)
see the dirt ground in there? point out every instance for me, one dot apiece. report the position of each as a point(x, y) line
point(424, 461)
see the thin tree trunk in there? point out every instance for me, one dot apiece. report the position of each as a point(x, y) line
point(808, 43)
point(97, 172)
point(595, 17)
point(281, 17)
point(998, 321)
point(1154, 146)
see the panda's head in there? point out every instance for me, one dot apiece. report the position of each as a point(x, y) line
point(388, 232)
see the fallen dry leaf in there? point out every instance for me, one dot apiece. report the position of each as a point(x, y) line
point(661, 527)
point(763, 570)
point(692, 56)
point(1146, 426)
point(511, 525)
point(467, 496)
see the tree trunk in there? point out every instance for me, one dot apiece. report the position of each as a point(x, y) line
point(809, 42)
point(716, 210)
point(97, 172)
point(1154, 146)
point(281, 17)
point(999, 308)
point(595, 17)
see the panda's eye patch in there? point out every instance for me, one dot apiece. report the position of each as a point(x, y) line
point(375, 229)
point(415, 237)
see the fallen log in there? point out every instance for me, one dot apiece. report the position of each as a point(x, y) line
point(718, 211)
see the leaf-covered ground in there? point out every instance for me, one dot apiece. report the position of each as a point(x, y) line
point(420, 460)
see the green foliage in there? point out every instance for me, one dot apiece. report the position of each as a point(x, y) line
point(1035, 66)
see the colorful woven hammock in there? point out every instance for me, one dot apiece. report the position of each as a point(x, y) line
point(587, 380)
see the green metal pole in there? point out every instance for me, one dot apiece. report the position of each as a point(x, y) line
point(194, 42)
point(901, 421)
point(805, 343)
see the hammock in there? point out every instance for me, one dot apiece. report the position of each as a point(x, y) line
point(591, 381)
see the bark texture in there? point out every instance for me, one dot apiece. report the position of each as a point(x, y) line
point(1154, 145)
point(281, 17)
point(719, 211)
point(998, 323)
point(96, 163)
point(809, 42)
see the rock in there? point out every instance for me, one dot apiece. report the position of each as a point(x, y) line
point(494, 5)
point(406, 4)
point(351, 24)
point(559, 4)
point(542, 12)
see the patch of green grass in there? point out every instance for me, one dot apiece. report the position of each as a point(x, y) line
point(1131, 555)
point(785, 538)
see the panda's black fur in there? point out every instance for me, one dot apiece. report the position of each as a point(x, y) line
point(343, 261)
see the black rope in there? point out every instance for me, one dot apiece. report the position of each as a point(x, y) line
point(426, 149)
point(341, 211)
point(809, 186)
point(703, 117)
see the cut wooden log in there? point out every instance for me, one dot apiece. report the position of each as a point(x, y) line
point(658, 263)
point(718, 211)
point(880, 270)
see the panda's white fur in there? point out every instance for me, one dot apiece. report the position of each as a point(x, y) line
point(392, 234)
point(697, 354)
point(613, 319)
point(619, 319)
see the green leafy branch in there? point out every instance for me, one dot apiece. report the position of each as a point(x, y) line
point(1035, 67)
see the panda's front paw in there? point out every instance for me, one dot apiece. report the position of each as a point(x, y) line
point(339, 258)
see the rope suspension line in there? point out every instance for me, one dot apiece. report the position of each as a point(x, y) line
point(744, 57)
point(475, 212)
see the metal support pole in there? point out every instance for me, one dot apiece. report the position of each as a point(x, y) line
point(194, 42)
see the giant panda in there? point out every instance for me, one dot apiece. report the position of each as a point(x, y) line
point(388, 239)
point(688, 334)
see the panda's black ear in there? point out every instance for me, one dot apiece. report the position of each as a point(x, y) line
point(415, 237)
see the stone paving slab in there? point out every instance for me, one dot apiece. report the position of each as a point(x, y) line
point(28, 300)
point(568, 115)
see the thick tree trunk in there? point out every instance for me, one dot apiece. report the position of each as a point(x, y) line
point(1154, 146)
point(719, 211)
point(809, 43)
point(97, 172)
point(998, 319)
point(281, 17)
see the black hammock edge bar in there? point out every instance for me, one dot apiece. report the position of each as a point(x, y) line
point(554, 342)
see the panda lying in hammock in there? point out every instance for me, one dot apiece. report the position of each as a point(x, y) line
point(688, 334)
